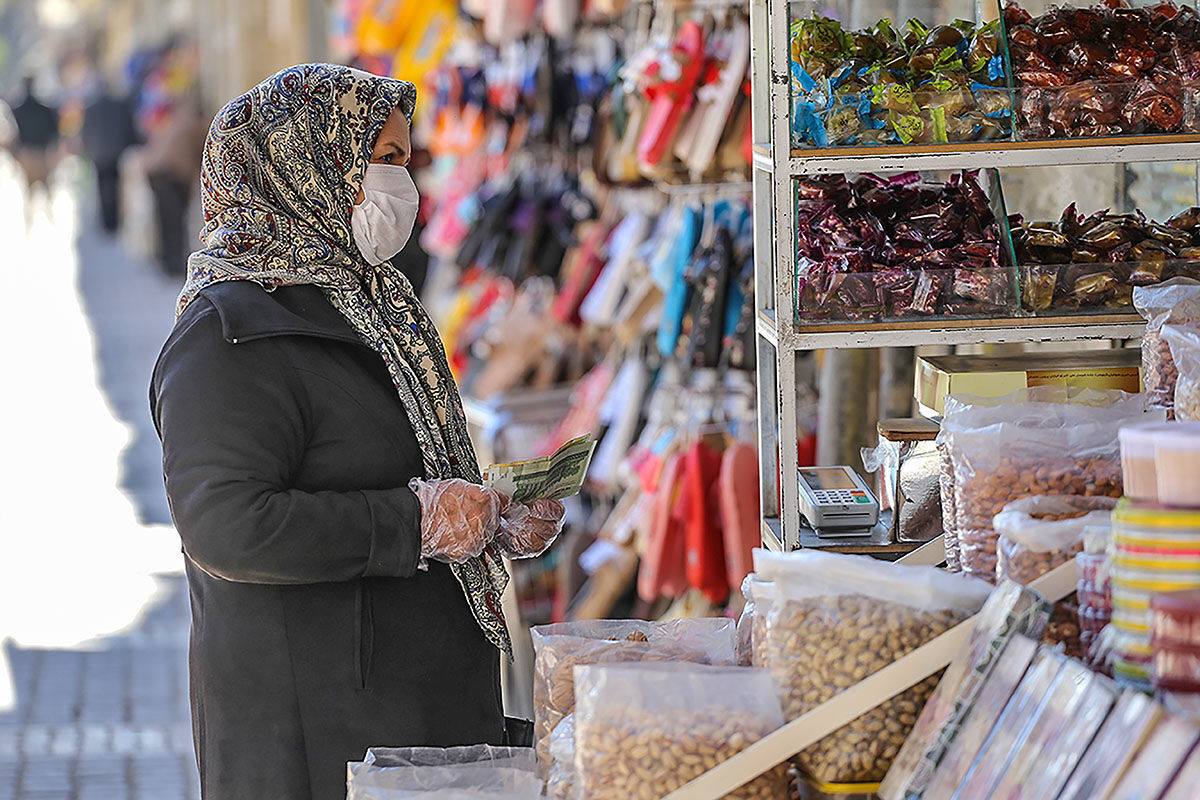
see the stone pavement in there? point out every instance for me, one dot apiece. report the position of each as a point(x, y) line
point(108, 719)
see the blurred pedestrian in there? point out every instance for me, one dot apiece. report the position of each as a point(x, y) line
point(108, 131)
point(37, 134)
point(172, 162)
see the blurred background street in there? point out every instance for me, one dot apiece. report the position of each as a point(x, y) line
point(103, 115)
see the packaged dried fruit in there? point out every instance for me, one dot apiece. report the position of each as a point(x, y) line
point(837, 619)
point(1042, 532)
point(1012, 729)
point(644, 730)
point(998, 646)
point(1020, 662)
point(558, 648)
point(1106, 758)
point(1175, 300)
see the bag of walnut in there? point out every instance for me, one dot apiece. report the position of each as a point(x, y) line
point(558, 648)
point(1176, 301)
point(1042, 440)
point(837, 619)
point(644, 730)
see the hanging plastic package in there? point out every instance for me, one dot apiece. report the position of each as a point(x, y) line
point(1176, 301)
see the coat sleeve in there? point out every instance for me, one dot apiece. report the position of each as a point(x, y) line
point(232, 423)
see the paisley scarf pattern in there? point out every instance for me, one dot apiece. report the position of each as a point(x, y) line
point(282, 166)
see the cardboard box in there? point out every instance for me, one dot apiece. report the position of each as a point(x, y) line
point(996, 376)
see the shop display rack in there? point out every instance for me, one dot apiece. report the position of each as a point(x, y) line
point(781, 335)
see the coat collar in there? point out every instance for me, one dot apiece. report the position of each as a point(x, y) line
point(249, 312)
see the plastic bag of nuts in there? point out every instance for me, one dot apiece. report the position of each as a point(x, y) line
point(559, 647)
point(644, 730)
point(837, 619)
point(1045, 440)
point(1037, 534)
point(1176, 300)
point(1184, 341)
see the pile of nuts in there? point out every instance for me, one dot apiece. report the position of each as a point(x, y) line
point(1187, 399)
point(983, 493)
point(1063, 627)
point(631, 754)
point(1159, 372)
point(823, 645)
point(1023, 565)
point(554, 674)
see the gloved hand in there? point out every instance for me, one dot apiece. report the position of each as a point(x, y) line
point(528, 529)
point(458, 518)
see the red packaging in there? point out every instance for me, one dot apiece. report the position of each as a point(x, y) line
point(1175, 619)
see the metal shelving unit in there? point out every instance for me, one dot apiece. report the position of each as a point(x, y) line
point(775, 163)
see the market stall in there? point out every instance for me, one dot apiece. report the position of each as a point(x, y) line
point(991, 602)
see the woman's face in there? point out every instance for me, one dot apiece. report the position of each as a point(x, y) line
point(393, 145)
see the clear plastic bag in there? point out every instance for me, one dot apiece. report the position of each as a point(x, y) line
point(644, 730)
point(560, 781)
point(909, 472)
point(432, 773)
point(1044, 440)
point(763, 593)
point(1175, 300)
point(837, 619)
point(558, 648)
point(1039, 533)
point(1184, 342)
point(949, 517)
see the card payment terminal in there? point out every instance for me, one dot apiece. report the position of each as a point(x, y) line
point(836, 502)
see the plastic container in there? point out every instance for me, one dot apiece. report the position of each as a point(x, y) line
point(1176, 669)
point(1137, 460)
point(1177, 464)
point(1175, 619)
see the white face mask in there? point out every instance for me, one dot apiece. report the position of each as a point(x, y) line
point(383, 221)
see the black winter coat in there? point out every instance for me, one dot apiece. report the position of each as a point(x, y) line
point(287, 454)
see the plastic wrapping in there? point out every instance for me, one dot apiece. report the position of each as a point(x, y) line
point(561, 783)
point(558, 648)
point(1011, 611)
point(1069, 715)
point(1044, 440)
point(763, 593)
point(1105, 760)
point(745, 625)
point(458, 518)
point(1176, 300)
point(644, 730)
point(1186, 785)
point(979, 719)
point(1012, 728)
point(949, 516)
point(477, 772)
point(910, 471)
point(1184, 342)
point(837, 619)
point(1042, 532)
point(1157, 761)
point(528, 529)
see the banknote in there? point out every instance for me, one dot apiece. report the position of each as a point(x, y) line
point(555, 476)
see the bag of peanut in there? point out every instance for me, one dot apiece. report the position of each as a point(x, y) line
point(452, 773)
point(1184, 341)
point(1043, 440)
point(837, 619)
point(1176, 300)
point(559, 647)
point(644, 730)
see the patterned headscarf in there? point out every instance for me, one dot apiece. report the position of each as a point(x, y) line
point(282, 167)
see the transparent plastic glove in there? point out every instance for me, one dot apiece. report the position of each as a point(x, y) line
point(528, 529)
point(458, 518)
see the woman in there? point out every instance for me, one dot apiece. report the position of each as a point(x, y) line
point(303, 391)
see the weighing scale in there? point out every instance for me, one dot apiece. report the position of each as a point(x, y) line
point(836, 502)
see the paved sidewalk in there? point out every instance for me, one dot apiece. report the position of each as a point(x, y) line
point(106, 717)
